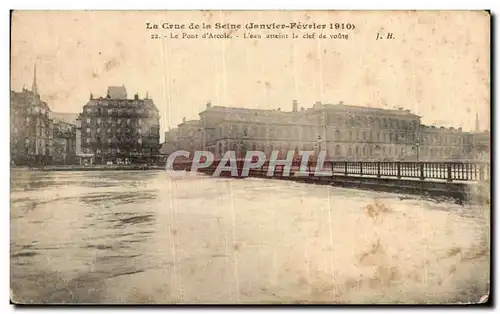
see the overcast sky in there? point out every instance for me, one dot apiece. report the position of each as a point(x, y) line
point(437, 66)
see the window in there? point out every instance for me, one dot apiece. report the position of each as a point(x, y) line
point(139, 141)
point(87, 140)
point(89, 110)
point(139, 131)
point(98, 121)
point(128, 121)
point(110, 111)
point(88, 130)
point(88, 120)
point(119, 121)
point(109, 141)
point(109, 130)
point(140, 122)
point(98, 130)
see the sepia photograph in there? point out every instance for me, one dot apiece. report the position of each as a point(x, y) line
point(250, 157)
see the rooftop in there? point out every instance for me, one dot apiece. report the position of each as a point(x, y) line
point(117, 92)
point(64, 117)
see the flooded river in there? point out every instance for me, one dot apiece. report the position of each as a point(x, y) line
point(149, 237)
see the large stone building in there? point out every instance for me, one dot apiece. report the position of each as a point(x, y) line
point(31, 128)
point(444, 144)
point(170, 143)
point(190, 135)
point(118, 129)
point(345, 132)
point(64, 144)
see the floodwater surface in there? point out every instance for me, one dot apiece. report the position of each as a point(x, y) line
point(150, 237)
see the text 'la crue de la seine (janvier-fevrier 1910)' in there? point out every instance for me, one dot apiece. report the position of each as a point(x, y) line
point(228, 28)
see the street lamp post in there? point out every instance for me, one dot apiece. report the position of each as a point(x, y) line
point(319, 144)
point(417, 146)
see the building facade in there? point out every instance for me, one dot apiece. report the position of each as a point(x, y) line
point(190, 135)
point(344, 132)
point(31, 128)
point(171, 143)
point(481, 142)
point(118, 129)
point(64, 144)
point(444, 144)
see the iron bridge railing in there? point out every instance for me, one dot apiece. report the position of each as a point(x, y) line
point(442, 171)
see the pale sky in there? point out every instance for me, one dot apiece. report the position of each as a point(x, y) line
point(438, 65)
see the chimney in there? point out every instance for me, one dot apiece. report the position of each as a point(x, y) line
point(295, 105)
point(209, 105)
point(460, 129)
point(317, 104)
point(184, 120)
point(301, 108)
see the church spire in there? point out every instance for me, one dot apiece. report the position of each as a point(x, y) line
point(477, 122)
point(34, 89)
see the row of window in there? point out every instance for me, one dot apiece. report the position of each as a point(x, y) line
point(114, 150)
point(33, 110)
point(362, 150)
point(111, 121)
point(113, 130)
point(383, 123)
point(90, 140)
point(116, 110)
point(440, 152)
point(356, 150)
point(313, 134)
point(37, 121)
point(38, 131)
point(444, 139)
point(40, 142)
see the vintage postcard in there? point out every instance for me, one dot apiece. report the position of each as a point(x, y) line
point(250, 157)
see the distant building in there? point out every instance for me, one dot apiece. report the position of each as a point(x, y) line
point(64, 144)
point(190, 135)
point(444, 144)
point(117, 129)
point(31, 128)
point(344, 132)
point(481, 143)
point(171, 143)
